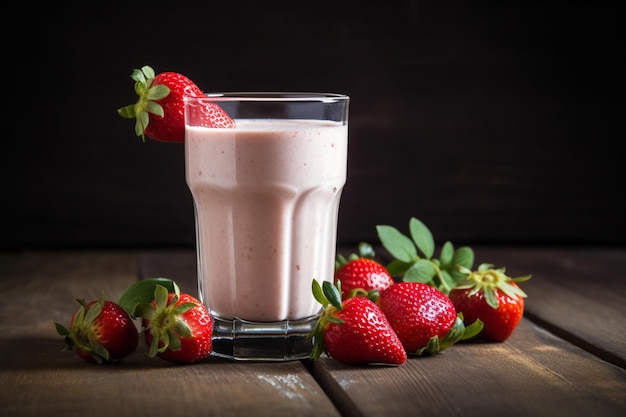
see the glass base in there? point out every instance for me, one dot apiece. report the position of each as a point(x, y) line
point(257, 341)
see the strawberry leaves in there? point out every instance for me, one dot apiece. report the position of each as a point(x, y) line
point(488, 279)
point(100, 331)
point(148, 94)
point(414, 259)
point(327, 295)
point(457, 333)
point(164, 320)
point(143, 292)
point(80, 337)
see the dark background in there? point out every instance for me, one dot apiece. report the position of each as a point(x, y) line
point(493, 122)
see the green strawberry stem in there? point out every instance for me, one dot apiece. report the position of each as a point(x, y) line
point(146, 103)
point(488, 279)
point(81, 335)
point(329, 296)
point(365, 251)
point(164, 320)
point(458, 332)
point(373, 294)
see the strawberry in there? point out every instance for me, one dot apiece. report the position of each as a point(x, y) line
point(177, 326)
point(360, 274)
point(492, 297)
point(100, 332)
point(353, 331)
point(422, 316)
point(159, 111)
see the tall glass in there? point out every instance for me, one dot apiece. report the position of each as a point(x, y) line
point(266, 197)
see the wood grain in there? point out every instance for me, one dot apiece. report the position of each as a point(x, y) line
point(577, 293)
point(534, 373)
point(37, 378)
point(41, 287)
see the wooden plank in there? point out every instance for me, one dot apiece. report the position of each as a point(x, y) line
point(534, 373)
point(577, 293)
point(38, 379)
point(40, 288)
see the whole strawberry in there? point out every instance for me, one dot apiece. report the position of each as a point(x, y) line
point(422, 316)
point(360, 274)
point(100, 332)
point(177, 327)
point(159, 111)
point(492, 297)
point(354, 331)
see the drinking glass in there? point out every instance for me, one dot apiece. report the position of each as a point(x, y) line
point(266, 199)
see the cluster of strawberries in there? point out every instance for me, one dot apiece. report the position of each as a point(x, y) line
point(368, 317)
point(371, 318)
point(176, 326)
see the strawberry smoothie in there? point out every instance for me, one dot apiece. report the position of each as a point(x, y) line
point(266, 197)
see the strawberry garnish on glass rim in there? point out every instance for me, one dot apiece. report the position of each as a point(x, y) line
point(159, 111)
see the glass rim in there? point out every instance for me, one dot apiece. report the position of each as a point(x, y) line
point(277, 96)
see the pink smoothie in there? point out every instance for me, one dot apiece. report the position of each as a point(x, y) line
point(266, 197)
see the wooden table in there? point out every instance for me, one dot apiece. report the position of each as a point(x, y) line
point(566, 358)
